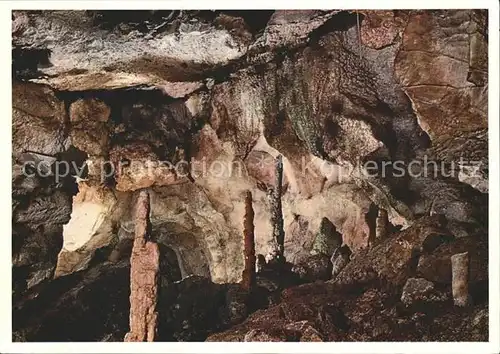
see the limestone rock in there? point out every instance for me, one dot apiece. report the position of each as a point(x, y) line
point(91, 137)
point(292, 320)
point(79, 299)
point(418, 290)
point(261, 336)
point(40, 130)
point(394, 260)
point(236, 304)
point(180, 89)
point(89, 131)
point(34, 254)
point(311, 335)
point(191, 309)
point(260, 165)
point(81, 61)
point(137, 166)
point(381, 225)
point(316, 267)
point(339, 259)
point(436, 266)
point(46, 209)
point(380, 28)
point(28, 171)
point(434, 40)
point(327, 240)
point(38, 101)
point(291, 27)
point(89, 110)
point(89, 228)
point(216, 93)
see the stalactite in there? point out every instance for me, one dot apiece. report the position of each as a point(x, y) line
point(277, 213)
point(248, 281)
point(460, 278)
point(144, 266)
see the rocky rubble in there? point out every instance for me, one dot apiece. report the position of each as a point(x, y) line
point(358, 305)
point(371, 299)
point(194, 107)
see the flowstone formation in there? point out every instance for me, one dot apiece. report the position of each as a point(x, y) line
point(310, 175)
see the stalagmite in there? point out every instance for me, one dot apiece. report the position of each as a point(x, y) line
point(460, 278)
point(382, 225)
point(277, 213)
point(144, 266)
point(339, 259)
point(261, 263)
point(248, 281)
point(327, 240)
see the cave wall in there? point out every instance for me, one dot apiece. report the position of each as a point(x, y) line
point(219, 87)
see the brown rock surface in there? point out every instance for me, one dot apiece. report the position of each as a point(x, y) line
point(419, 290)
point(137, 166)
point(38, 121)
point(451, 49)
point(89, 131)
point(358, 310)
point(394, 260)
point(315, 267)
point(436, 266)
point(380, 28)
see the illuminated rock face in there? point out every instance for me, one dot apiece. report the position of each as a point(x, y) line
point(195, 107)
point(89, 211)
point(89, 228)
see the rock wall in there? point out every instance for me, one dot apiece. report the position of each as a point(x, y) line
point(220, 94)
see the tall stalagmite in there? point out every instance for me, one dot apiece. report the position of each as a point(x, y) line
point(382, 225)
point(248, 281)
point(276, 211)
point(144, 266)
point(460, 278)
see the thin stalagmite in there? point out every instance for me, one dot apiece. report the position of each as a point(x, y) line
point(382, 224)
point(460, 278)
point(276, 211)
point(144, 266)
point(248, 281)
point(340, 257)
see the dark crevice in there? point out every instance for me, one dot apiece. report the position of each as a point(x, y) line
point(141, 20)
point(27, 60)
point(255, 19)
point(340, 22)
